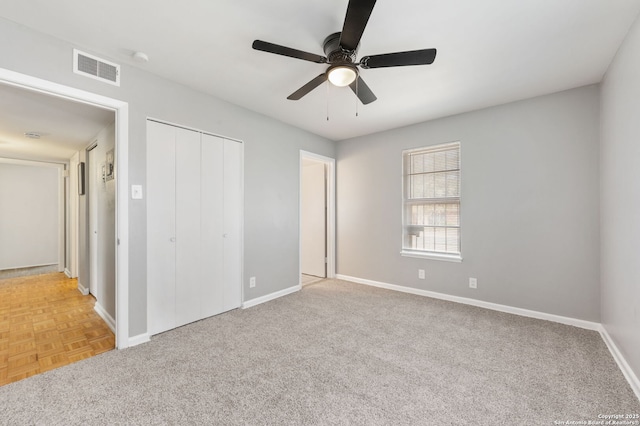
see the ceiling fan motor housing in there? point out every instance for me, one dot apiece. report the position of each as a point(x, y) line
point(335, 54)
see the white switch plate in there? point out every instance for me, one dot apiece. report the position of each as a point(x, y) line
point(421, 274)
point(252, 282)
point(473, 283)
point(136, 192)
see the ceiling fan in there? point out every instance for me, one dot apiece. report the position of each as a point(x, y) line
point(341, 49)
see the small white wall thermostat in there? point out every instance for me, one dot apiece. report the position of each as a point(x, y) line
point(136, 192)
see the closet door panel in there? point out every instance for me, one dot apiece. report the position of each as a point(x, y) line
point(161, 216)
point(212, 176)
point(232, 280)
point(188, 250)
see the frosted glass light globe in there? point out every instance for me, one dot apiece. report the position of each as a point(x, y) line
point(342, 76)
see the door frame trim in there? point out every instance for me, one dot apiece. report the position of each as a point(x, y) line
point(121, 110)
point(330, 164)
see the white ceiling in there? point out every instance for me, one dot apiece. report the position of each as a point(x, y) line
point(65, 126)
point(489, 52)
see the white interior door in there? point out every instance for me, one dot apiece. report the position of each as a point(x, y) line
point(313, 219)
point(161, 227)
point(212, 230)
point(92, 177)
point(188, 219)
point(194, 226)
point(232, 287)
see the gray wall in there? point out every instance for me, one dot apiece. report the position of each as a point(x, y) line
point(106, 203)
point(620, 199)
point(106, 293)
point(106, 223)
point(271, 158)
point(529, 205)
point(29, 214)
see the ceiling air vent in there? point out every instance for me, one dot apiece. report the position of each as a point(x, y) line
point(97, 68)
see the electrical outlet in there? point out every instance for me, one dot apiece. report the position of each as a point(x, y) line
point(252, 282)
point(421, 274)
point(473, 283)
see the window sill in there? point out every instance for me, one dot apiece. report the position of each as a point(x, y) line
point(433, 256)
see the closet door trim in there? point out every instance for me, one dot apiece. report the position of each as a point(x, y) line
point(194, 129)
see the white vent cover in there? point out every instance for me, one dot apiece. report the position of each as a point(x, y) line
point(97, 68)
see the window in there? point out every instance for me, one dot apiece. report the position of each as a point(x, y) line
point(431, 202)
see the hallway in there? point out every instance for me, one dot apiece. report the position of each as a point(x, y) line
point(45, 323)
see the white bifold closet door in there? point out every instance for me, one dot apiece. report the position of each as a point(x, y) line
point(194, 217)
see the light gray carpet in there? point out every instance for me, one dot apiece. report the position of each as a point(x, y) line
point(338, 353)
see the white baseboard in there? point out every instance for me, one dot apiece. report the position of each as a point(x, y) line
point(631, 377)
point(105, 316)
point(269, 297)
point(139, 339)
point(67, 273)
point(479, 303)
point(82, 289)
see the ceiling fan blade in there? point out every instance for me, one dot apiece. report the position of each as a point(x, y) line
point(362, 91)
point(358, 13)
point(399, 59)
point(308, 87)
point(287, 51)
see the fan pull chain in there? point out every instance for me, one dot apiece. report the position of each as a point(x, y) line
point(327, 100)
point(357, 98)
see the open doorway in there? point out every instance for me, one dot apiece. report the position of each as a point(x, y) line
point(49, 322)
point(317, 218)
point(119, 114)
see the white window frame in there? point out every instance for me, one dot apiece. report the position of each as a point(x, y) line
point(425, 254)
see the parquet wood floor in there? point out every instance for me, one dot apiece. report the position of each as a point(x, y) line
point(45, 323)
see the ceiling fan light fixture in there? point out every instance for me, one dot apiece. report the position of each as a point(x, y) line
point(342, 75)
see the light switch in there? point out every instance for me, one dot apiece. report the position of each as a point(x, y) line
point(136, 192)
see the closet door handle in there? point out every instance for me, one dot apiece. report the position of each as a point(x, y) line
point(172, 239)
point(224, 235)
